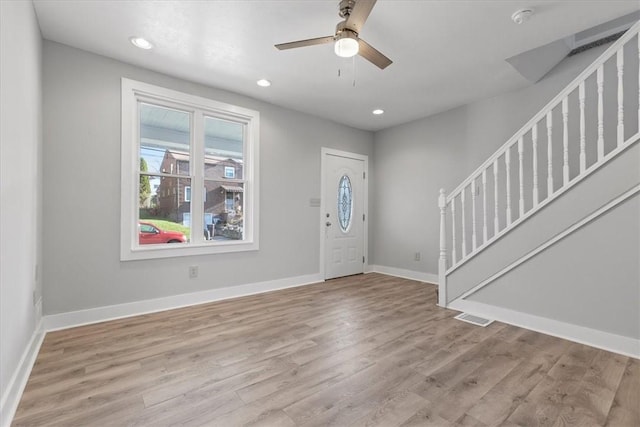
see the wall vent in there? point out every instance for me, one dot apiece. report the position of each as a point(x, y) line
point(475, 320)
point(600, 42)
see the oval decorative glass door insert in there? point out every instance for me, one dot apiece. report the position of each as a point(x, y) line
point(345, 203)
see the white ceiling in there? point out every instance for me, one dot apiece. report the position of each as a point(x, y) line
point(446, 53)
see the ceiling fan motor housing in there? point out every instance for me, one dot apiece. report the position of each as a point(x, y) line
point(345, 7)
point(342, 31)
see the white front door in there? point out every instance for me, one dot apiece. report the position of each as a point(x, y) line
point(343, 216)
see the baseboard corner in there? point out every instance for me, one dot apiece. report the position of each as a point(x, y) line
point(405, 274)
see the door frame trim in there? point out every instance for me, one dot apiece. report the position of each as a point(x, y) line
point(323, 171)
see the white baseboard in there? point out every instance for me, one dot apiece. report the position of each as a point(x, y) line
point(72, 319)
point(580, 334)
point(18, 381)
point(405, 274)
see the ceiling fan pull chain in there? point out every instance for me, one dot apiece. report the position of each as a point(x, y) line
point(354, 70)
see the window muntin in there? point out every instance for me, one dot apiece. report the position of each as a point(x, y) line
point(185, 141)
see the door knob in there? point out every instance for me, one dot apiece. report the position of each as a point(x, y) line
point(328, 224)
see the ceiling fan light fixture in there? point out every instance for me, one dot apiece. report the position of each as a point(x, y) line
point(346, 45)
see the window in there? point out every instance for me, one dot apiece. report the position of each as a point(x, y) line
point(345, 203)
point(187, 194)
point(146, 228)
point(229, 202)
point(171, 142)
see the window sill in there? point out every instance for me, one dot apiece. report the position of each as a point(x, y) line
point(172, 250)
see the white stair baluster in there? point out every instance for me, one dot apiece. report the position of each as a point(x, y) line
point(507, 162)
point(565, 141)
point(549, 154)
point(534, 139)
point(638, 82)
point(600, 82)
point(464, 227)
point(521, 175)
point(474, 241)
point(583, 141)
point(496, 221)
point(620, 65)
point(484, 207)
point(442, 262)
point(453, 231)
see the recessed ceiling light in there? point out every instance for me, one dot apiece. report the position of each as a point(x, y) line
point(522, 16)
point(141, 42)
point(264, 83)
point(378, 112)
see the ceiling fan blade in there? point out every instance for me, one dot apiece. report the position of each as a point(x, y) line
point(359, 14)
point(373, 55)
point(303, 43)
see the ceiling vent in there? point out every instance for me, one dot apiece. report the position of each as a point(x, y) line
point(535, 63)
point(600, 42)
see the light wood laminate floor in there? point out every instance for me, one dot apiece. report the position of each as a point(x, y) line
point(363, 350)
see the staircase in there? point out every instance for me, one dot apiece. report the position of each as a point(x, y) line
point(566, 170)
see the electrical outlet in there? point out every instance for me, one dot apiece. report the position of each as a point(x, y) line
point(193, 272)
point(417, 256)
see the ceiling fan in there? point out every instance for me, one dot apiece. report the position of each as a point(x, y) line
point(347, 42)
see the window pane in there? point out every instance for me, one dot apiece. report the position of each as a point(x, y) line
point(223, 149)
point(164, 140)
point(223, 210)
point(164, 208)
point(345, 203)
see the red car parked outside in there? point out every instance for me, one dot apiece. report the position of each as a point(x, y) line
point(150, 234)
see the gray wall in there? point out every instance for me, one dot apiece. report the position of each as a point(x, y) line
point(413, 161)
point(82, 190)
point(605, 280)
point(20, 168)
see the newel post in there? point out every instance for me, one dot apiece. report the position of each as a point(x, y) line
point(442, 262)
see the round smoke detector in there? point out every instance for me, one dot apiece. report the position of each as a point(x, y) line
point(522, 16)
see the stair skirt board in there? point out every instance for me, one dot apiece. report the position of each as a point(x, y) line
point(474, 320)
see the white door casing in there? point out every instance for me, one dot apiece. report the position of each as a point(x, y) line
point(343, 213)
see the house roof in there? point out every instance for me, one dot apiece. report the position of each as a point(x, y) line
point(210, 160)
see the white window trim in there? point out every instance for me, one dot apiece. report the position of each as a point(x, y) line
point(133, 92)
point(185, 193)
